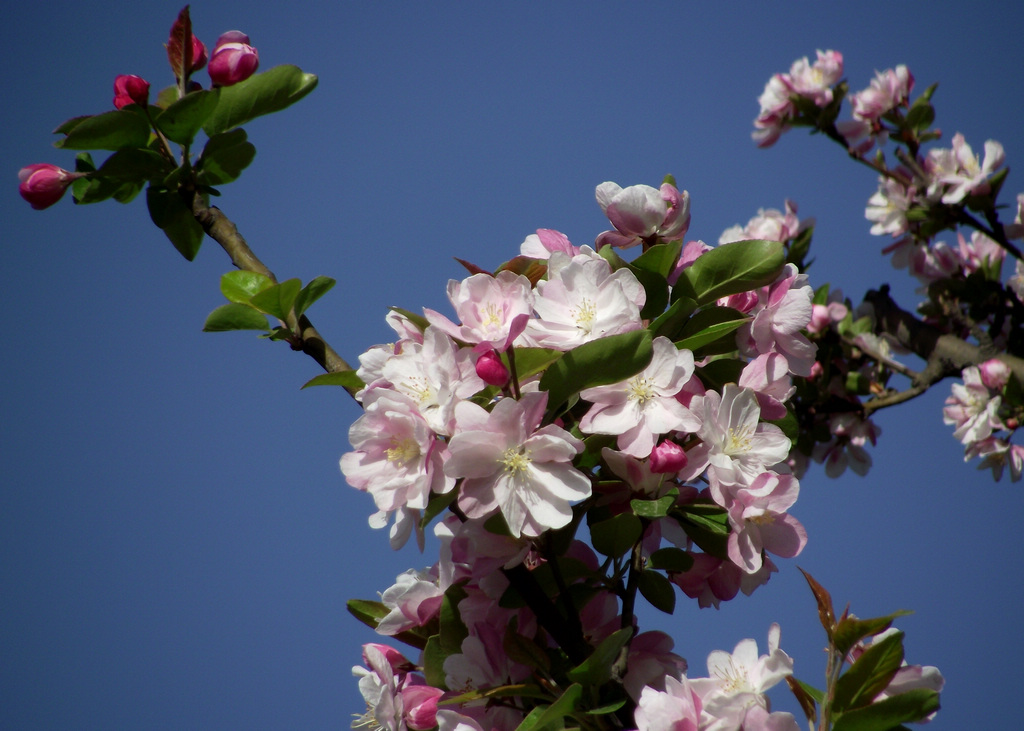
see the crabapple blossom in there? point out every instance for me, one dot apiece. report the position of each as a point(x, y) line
point(412, 601)
point(735, 447)
point(888, 206)
point(770, 224)
point(491, 370)
point(783, 310)
point(493, 310)
point(233, 59)
point(582, 300)
point(642, 214)
point(851, 433)
point(760, 523)
point(546, 241)
point(972, 408)
point(979, 253)
point(651, 663)
point(397, 458)
point(959, 169)
point(889, 89)
point(777, 110)
point(768, 376)
point(806, 80)
point(1016, 282)
point(814, 81)
point(43, 184)
point(737, 682)
point(996, 455)
point(640, 408)
point(396, 700)
point(677, 708)
point(509, 464)
point(667, 458)
point(130, 89)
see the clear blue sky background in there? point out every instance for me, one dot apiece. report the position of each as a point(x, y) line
point(176, 541)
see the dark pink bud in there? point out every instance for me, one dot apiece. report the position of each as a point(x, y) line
point(233, 59)
point(130, 89)
point(199, 56)
point(420, 703)
point(43, 184)
point(491, 370)
point(667, 458)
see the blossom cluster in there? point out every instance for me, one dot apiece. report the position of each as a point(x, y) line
point(459, 414)
point(976, 411)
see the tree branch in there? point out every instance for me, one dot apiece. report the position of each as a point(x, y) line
point(222, 230)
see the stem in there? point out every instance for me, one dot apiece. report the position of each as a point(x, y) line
point(221, 229)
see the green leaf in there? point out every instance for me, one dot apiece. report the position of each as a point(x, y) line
point(531, 361)
point(453, 629)
point(658, 590)
point(418, 320)
point(240, 286)
point(265, 93)
point(278, 299)
point(789, 425)
point(708, 325)
point(671, 559)
point(654, 508)
point(598, 363)
point(870, 674)
point(615, 536)
point(671, 322)
point(660, 258)
point(543, 718)
point(597, 669)
point(346, 379)
point(706, 525)
point(887, 714)
point(655, 285)
point(135, 165)
point(524, 651)
point(850, 630)
point(719, 372)
point(169, 212)
point(733, 268)
point(920, 115)
point(317, 288)
point(433, 663)
point(108, 131)
point(184, 118)
point(521, 690)
point(368, 612)
point(224, 157)
point(234, 316)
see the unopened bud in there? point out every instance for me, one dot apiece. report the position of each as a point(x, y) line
point(491, 370)
point(667, 458)
point(233, 59)
point(43, 184)
point(130, 89)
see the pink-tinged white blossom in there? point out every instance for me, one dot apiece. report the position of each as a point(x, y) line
point(677, 708)
point(582, 300)
point(768, 376)
point(436, 375)
point(760, 523)
point(636, 473)
point(651, 663)
point(692, 251)
point(887, 208)
point(957, 173)
point(851, 434)
point(980, 253)
point(640, 408)
point(713, 580)
point(396, 459)
point(482, 664)
point(412, 601)
point(777, 109)
point(995, 374)
point(783, 310)
point(770, 224)
point(642, 214)
point(511, 465)
point(448, 720)
point(888, 90)
point(493, 310)
point(1015, 230)
point(996, 455)
point(545, 242)
point(737, 682)
point(396, 700)
point(814, 81)
point(735, 446)
point(824, 316)
point(972, 408)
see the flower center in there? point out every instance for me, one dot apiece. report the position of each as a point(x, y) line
point(584, 315)
point(491, 316)
point(403, 451)
point(418, 388)
point(516, 461)
point(641, 389)
point(734, 679)
point(738, 441)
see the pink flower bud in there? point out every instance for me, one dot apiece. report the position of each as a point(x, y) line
point(43, 184)
point(398, 662)
point(199, 56)
point(233, 59)
point(994, 374)
point(491, 370)
point(130, 89)
point(667, 458)
point(420, 703)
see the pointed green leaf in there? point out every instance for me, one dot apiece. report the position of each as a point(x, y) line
point(224, 157)
point(453, 629)
point(733, 268)
point(531, 361)
point(851, 630)
point(240, 286)
point(598, 363)
point(708, 325)
point(184, 118)
point(108, 131)
point(552, 718)
point(169, 212)
point(670, 323)
point(719, 372)
point(278, 299)
point(870, 674)
point(671, 559)
point(660, 258)
point(706, 525)
point(597, 669)
point(265, 93)
point(658, 590)
point(368, 612)
point(615, 536)
point(135, 164)
point(346, 379)
point(418, 320)
point(908, 707)
point(433, 663)
point(654, 508)
point(317, 288)
point(235, 317)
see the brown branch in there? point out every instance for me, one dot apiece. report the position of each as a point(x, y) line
point(222, 230)
point(944, 355)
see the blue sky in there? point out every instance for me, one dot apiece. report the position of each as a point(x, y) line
point(176, 541)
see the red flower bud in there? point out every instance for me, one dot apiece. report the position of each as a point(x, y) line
point(43, 184)
point(130, 89)
point(667, 457)
point(199, 56)
point(491, 370)
point(233, 59)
